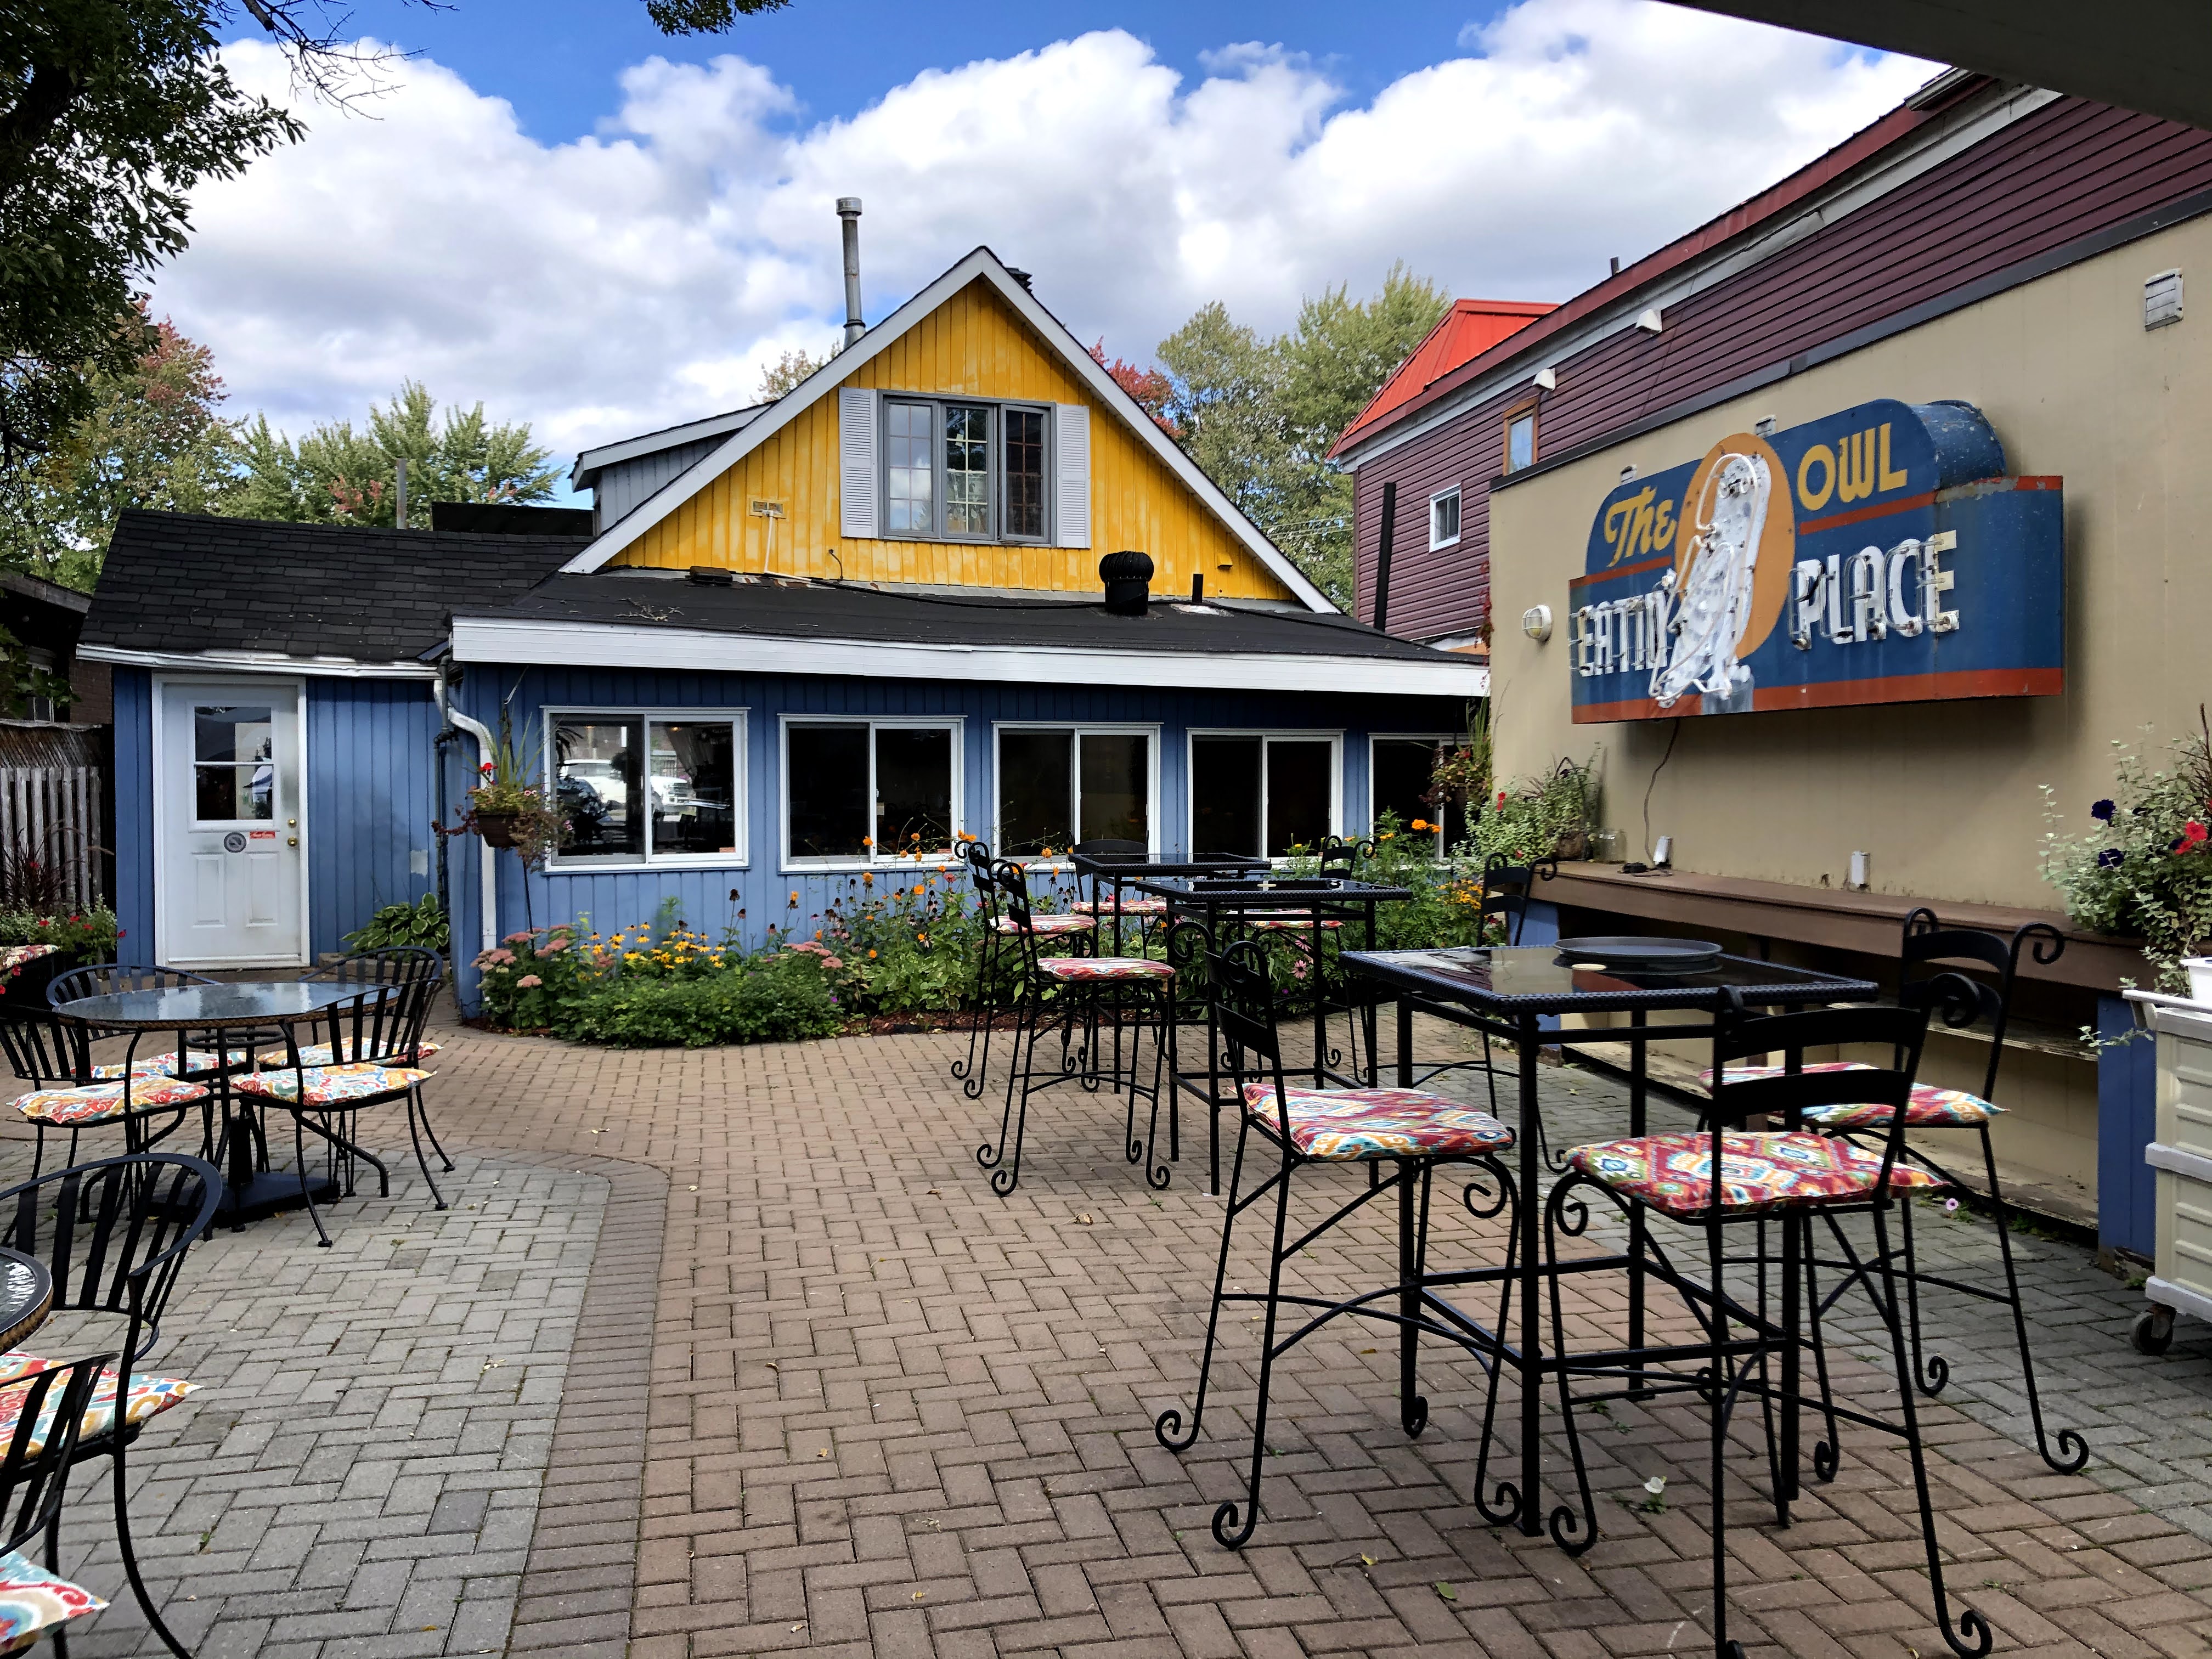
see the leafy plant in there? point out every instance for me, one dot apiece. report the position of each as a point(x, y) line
point(421, 924)
point(2147, 870)
point(34, 877)
point(1528, 819)
point(80, 936)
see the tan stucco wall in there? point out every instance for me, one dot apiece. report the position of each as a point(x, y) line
point(1943, 796)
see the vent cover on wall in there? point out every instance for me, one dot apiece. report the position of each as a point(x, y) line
point(2162, 299)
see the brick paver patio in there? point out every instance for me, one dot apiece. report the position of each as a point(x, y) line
point(738, 1354)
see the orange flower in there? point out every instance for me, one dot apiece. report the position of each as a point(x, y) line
point(1421, 823)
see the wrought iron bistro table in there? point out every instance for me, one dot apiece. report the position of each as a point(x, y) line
point(27, 1295)
point(1508, 992)
point(1121, 870)
point(1315, 900)
point(217, 1011)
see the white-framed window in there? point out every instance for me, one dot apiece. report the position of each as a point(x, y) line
point(959, 470)
point(1443, 518)
point(1264, 793)
point(1058, 784)
point(649, 785)
point(1399, 766)
point(860, 792)
point(1520, 438)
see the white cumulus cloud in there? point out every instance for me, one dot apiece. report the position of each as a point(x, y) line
point(644, 275)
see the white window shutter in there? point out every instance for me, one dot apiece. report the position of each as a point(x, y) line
point(856, 461)
point(1071, 440)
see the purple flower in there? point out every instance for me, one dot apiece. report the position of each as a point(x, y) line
point(2111, 859)
point(2103, 812)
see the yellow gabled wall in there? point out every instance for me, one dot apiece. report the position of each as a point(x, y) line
point(974, 346)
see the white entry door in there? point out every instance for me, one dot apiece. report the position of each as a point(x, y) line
point(227, 837)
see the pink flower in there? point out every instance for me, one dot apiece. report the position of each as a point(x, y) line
point(528, 982)
point(516, 939)
point(496, 958)
point(551, 945)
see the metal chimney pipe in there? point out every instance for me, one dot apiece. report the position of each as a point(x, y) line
point(848, 210)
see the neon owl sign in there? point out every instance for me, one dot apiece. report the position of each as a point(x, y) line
point(1876, 555)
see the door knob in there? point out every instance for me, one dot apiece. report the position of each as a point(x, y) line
point(291, 823)
point(291, 841)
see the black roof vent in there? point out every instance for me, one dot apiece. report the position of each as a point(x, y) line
point(1129, 578)
point(1019, 275)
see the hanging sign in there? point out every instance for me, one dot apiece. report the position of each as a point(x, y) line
point(1876, 555)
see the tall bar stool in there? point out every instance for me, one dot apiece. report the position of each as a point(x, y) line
point(969, 1069)
point(1790, 1176)
point(1929, 979)
point(1301, 1128)
point(1073, 992)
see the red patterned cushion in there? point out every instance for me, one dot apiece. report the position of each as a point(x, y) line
point(1044, 925)
point(197, 1061)
point(34, 1601)
point(1089, 968)
point(1763, 1171)
point(319, 1053)
point(1930, 1108)
point(1132, 905)
point(1356, 1123)
point(149, 1396)
point(96, 1103)
point(335, 1085)
point(1284, 924)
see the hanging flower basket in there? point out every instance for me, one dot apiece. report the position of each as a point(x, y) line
point(497, 828)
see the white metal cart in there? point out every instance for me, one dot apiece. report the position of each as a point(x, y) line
point(2182, 1154)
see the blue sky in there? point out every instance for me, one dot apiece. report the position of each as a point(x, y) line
point(555, 60)
point(559, 211)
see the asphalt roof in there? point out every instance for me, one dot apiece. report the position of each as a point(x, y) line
point(178, 582)
point(829, 611)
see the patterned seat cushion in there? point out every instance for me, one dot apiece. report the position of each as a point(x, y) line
point(1285, 924)
point(335, 1085)
point(149, 1396)
point(197, 1060)
point(1770, 1170)
point(34, 1601)
point(1091, 968)
point(319, 1053)
point(1357, 1123)
point(1044, 925)
point(97, 1102)
point(13, 956)
point(1930, 1108)
point(1133, 904)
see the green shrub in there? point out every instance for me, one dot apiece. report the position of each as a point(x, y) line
point(781, 997)
point(1527, 820)
point(422, 925)
point(2148, 870)
point(80, 936)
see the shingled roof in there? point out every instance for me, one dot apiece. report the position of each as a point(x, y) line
point(175, 582)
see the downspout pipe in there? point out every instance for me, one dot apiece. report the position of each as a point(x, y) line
point(488, 904)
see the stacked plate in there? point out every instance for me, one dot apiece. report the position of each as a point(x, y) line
point(1630, 954)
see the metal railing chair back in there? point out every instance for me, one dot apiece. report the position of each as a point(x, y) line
point(1109, 899)
point(370, 1053)
point(113, 1236)
point(1074, 991)
point(1724, 1177)
point(1933, 964)
point(1300, 1128)
point(71, 1093)
point(103, 979)
point(968, 1070)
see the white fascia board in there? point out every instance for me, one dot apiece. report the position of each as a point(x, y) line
point(1938, 143)
point(985, 264)
point(590, 461)
point(259, 662)
point(498, 639)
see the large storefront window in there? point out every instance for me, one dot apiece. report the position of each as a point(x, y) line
point(1061, 785)
point(648, 788)
point(870, 791)
point(1258, 793)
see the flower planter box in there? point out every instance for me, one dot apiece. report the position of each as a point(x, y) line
point(497, 828)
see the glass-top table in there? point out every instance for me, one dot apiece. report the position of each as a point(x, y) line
point(1509, 993)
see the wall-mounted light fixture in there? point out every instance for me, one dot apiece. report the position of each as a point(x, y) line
point(1649, 320)
point(1547, 379)
point(1536, 623)
point(1764, 426)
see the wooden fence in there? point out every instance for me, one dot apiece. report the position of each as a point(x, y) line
point(51, 806)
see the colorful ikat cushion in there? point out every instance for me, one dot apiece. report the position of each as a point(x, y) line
point(14, 955)
point(1930, 1108)
point(1357, 1123)
point(96, 1103)
point(1132, 905)
point(1286, 924)
point(1096, 968)
point(1770, 1170)
point(34, 1601)
point(200, 1060)
point(335, 1085)
point(319, 1053)
point(149, 1396)
point(1044, 925)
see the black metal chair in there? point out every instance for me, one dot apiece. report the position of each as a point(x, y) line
point(1790, 1177)
point(969, 1071)
point(1108, 902)
point(113, 1236)
point(1308, 1127)
point(372, 1046)
point(42, 1412)
point(388, 966)
point(1056, 989)
point(1930, 960)
point(70, 1093)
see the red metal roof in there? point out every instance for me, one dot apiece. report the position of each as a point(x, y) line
point(1407, 392)
point(1470, 328)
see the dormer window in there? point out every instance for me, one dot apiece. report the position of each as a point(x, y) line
point(963, 472)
